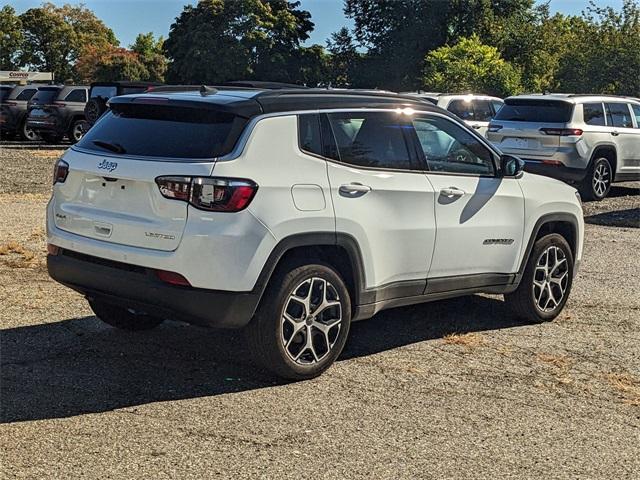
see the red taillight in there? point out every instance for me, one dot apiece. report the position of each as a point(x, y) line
point(562, 132)
point(173, 278)
point(53, 249)
point(59, 104)
point(60, 171)
point(209, 193)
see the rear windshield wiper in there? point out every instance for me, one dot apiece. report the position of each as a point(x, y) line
point(114, 147)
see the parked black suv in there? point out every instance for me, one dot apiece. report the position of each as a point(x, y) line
point(13, 112)
point(58, 111)
point(101, 92)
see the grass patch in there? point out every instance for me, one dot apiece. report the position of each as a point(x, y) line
point(468, 340)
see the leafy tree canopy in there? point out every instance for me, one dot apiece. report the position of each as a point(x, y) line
point(11, 38)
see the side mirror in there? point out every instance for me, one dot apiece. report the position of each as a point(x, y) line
point(511, 166)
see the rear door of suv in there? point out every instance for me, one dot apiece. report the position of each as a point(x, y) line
point(381, 198)
point(623, 127)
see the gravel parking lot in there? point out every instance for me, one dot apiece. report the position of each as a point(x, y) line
point(452, 389)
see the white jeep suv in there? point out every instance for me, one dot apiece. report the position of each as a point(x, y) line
point(295, 212)
point(587, 140)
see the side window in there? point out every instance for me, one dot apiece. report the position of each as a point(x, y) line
point(26, 94)
point(77, 95)
point(449, 148)
point(496, 106)
point(482, 111)
point(309, 134)
point(619, 115)
point(593, 114)
point(636, 113)
point(462, 109)
point(370, 139)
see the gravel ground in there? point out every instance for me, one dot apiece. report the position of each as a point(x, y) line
point(452, 389)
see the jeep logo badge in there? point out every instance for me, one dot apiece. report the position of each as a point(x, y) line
point(108, 166)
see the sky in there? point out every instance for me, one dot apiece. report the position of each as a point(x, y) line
point(127, 18)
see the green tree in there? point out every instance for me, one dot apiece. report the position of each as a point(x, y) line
point(608, 57)
point(220, 40)
point(11, 38)
point(150, 53)
point(470, 66)
point(121, 64)
point(344, 60)
point(55, 37)
point(398, 33)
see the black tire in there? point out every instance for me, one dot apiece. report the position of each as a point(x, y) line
point(77, 130)
point(94, 109)
point(123, 318)
point(524, 300)
point(51, 138)
point(268, 331)
point(592, 187)
point(27, 134)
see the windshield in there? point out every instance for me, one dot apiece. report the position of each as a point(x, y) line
point(540, 111)
point(164, 131)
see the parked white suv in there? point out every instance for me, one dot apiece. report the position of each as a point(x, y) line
point(476, 110)
point(296, 212)
point(590, 141)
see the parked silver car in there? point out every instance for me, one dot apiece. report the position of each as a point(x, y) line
point(588, 140)
point(476, 110)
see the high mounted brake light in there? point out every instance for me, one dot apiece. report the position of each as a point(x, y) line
point(213, 194)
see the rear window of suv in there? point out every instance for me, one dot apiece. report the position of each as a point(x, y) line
point(538, 111)
point(164, 131)
point(46, 95)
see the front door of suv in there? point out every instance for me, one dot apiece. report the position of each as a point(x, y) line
point(479, 215)
point(381, 198)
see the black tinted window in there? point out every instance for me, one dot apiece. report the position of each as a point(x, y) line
point(461, 108)
point(636, 113)
point(593, 114)
point(309, 134)
point(540, 111)
point(4, 93)
point(26, 94)
point(45, 96)
point(103, 92)
point(370, 139)
point(619, 115)
point(161, 131)
point(449, 148)
point(77, 95)
point(496, 106)
point(482, 111)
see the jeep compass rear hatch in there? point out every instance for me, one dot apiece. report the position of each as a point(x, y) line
point(530, 126)
point(111, 192)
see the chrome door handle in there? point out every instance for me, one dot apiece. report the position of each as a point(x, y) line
point(615, 133)
point(476, 127)
point(354, 189)
point(452, 192)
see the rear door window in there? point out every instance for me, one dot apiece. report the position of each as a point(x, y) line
point(537, 111)
point(371, 139)
point(164, 131)
point(26, 94)
point(45, 96)
point(619, 115)
point(77, 95)
point(103, 92)
point(482, 111)
point(309, 134)
point(593, 114)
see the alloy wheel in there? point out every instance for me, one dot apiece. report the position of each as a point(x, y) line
point(311, 321)
point(601, 179)
point(77, 131)
point(550, 279)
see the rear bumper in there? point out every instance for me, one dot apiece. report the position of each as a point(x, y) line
point(138, 287)
point(558, 171)
point(46, 124)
